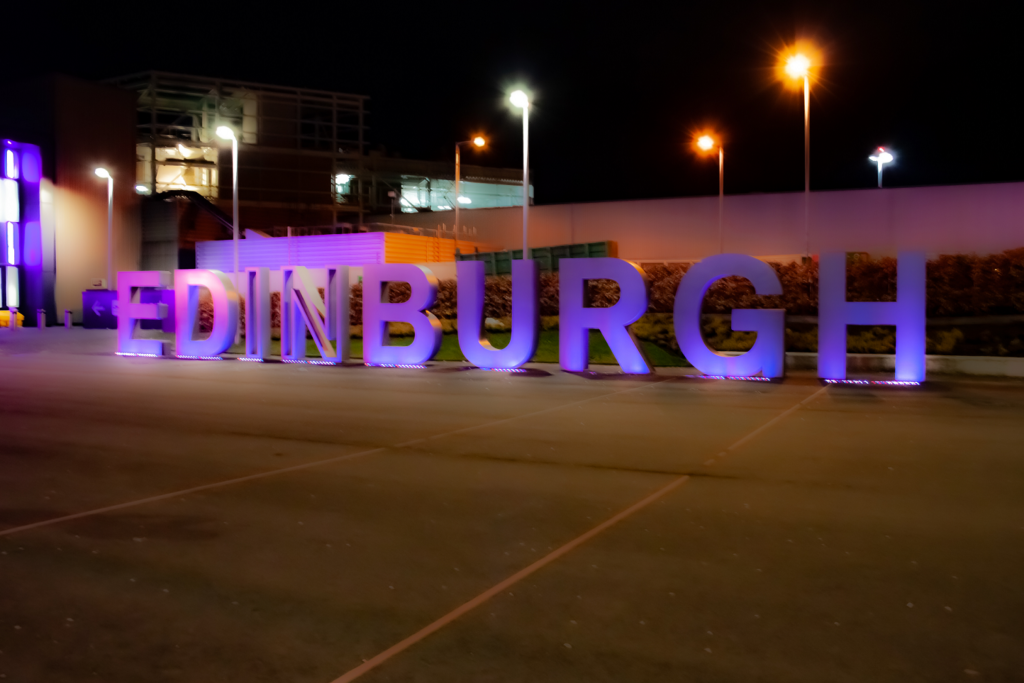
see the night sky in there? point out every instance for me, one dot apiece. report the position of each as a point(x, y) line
point(619, 87)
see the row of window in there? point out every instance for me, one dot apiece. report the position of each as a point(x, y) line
point(10, 209)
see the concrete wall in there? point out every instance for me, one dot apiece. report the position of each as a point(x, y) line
point(943, 219)
point(93, 125)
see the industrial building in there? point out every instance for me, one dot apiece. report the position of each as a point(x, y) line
point(303, 158)
point(309, 190)
point(305, 167)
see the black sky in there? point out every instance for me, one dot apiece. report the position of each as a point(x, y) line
point(618, 86)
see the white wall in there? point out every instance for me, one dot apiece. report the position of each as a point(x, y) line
point(942, 219)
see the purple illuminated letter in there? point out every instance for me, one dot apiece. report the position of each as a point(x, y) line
point(130, 311)
point(576, 319)
point(378, 312)
point(302, 309)
point(186, 313)
point(768, 355)
point(257, 313)
point(907, 313)
point(525, 320)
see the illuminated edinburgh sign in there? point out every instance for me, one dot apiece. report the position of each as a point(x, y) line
point(327, 318)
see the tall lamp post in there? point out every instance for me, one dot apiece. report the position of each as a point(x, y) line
point(707, 144)
point(798, 67)
point(519, 99)
point(226, 133)
point(104, 173)
point(882, 156)
point(478, 142)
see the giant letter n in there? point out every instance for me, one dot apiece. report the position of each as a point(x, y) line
point(907, 313)
point(326, 319)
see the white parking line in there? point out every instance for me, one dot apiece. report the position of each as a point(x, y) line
point(308, 465)
point(448, 618)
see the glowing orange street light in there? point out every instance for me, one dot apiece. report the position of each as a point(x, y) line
point(706, 144)
point(478, 142)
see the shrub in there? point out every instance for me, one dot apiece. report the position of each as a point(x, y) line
point(957, 285)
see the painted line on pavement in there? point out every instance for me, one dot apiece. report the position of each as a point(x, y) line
point(459, 611)
point(767, 425)
point(303, 466)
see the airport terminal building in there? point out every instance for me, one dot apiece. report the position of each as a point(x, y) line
point(313, 192)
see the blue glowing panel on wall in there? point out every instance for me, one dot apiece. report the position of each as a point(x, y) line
point(27, 239)
point(10, 164)
point(11, 244)
point(10, 205)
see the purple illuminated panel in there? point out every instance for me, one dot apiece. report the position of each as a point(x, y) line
point(768, 355)
point(378, 311)
point(907, 313)
point(525, 317)
point(10, 164)
point(28, 240)
point(576, 319)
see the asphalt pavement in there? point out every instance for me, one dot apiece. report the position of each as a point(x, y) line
point(170, 520)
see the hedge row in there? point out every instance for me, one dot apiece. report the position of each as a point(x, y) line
point(958, 285)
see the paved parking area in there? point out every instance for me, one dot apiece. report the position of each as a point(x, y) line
point(167, 520)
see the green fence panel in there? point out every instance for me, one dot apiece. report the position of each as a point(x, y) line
point(547, 258)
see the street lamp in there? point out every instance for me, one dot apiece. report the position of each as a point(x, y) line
point(881, 157)
point(478, 142)
point(226, 133)
point(104, 173)
point(707, 144)
point(520, 100)
point(797, 66)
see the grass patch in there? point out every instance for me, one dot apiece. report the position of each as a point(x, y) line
point(547, 349)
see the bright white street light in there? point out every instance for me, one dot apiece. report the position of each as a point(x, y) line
point(226, 133)
point(104, 173)
point(881, 157)
point(520, 99)
point(142, 189)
